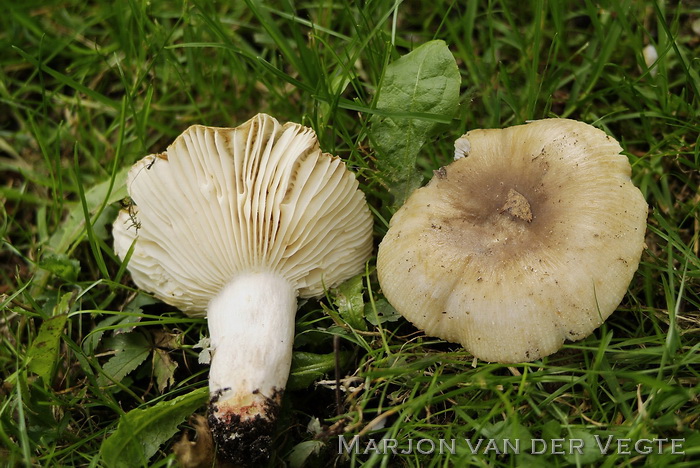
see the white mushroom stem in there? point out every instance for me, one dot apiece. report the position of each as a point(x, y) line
point(251, 324)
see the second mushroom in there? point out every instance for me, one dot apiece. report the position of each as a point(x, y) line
point(528, 239)
point(234, 224)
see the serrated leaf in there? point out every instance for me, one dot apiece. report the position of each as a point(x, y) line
point(142, 431)
point(350, 303)
point(43, 352)
point(163, 369)
point(308, 367)
point(132, 349)
point(92, 340)
point(419, 91)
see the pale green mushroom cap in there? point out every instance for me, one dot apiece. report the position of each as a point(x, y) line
point(530, 238)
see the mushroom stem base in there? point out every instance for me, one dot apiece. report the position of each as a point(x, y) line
point(251, 325)
point(244, 441)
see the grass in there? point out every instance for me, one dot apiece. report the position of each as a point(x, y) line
point(86, 89)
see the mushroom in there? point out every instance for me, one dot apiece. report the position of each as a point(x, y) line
point(529, 238)
point(234, 224)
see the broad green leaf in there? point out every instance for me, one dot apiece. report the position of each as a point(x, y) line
point(102, 226)
point(100, 194)
point(385, 312)
point(43, 351)
point(141, 431)
point(126, 322)
point(510, 430)
point(419, 90)
point(132, 349)
point(308, 367)
point(73, 227)
point(302, 451)
point(580, 439)
point(350, 302)
point(60, 265)
point(551, 429)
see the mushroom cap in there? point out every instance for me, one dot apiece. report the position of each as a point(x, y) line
point(256, 198)
point(531, 237)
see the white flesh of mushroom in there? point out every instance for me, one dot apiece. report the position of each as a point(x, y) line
point(462, 147)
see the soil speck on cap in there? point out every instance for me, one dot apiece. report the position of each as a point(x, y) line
point(517, 206)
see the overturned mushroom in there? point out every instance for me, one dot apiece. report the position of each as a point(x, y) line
point(529, 238)
point(234, 224)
